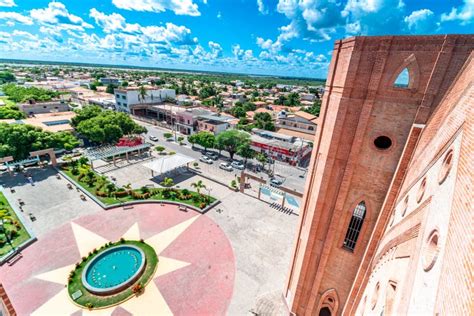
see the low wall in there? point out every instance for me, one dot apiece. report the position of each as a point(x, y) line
point(27, 242)
point(131, 203)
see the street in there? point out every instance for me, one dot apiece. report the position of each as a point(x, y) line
point(292, 177)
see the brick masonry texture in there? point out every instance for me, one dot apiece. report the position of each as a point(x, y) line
point(388, 269)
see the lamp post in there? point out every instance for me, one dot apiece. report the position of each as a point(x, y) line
point(209, 189)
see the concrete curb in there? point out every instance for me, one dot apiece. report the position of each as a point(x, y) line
point(28, 229)
point(130, 203)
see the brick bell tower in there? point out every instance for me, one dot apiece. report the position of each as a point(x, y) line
point(379, 94)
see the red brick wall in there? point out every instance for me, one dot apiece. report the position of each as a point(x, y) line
point(359, 105)
point(449, 127)
point(6, 302)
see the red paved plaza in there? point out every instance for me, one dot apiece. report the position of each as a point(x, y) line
point(204, 287)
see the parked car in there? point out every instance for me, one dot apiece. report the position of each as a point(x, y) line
point(206, 160)
point(213, 155)
point(226, 166)
point(153, 138)
point(275, 182)
point(238, 165)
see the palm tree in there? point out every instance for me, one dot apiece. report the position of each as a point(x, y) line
point(128, 187)
point(5, 216)
point(218, 103)
point(142, 93)
point(167, 182)
point(198, 186)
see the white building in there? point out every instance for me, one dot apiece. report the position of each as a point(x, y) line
point(125, 98)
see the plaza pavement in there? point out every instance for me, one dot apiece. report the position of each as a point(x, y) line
point(261, 237)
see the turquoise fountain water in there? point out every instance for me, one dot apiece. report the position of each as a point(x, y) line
point(114, 269)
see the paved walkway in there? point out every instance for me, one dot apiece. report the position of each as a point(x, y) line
point(195, 274)
point(48, 200)
point(261, 237)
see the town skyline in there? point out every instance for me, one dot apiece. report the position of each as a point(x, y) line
point(284, 38)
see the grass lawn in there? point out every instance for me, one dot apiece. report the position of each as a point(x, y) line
point(90, 300)
point(7, 101)
point(129, 198)
point(22, 233)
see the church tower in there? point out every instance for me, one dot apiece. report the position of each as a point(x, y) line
point(380, 92)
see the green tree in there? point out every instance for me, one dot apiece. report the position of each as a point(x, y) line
point(110, 88)
point(246, 152)
point(18, 140)
point(168, 135)
point(238, 111)
point(293, 99)
point(103, 126)
point(11, 112)
point(315, 109)
point(218, 103)
point(6, 77)
point(231, 140)
point(192, 139)
point(198, 186)
point(142, 93)
point(281, 100)
point(206, 92)
point(262, 158)
point(206, 139)
point(264, 120)
point(159, 149)
point(22, 94)
point(85, 113)
point(249, 106)
point(167, 182)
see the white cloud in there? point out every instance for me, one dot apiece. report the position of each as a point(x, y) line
point(261, 7)
point(113, 22)
point(312, 20)
point(179, 7)
point(7, 3)
point(219, 15)
point(13, 17)
point(170, 33)
point(264, 44)
point(464, 13)
point(241, 54)
point(216, 49)
point(374, 17)
point(25, 35)
point(5, 38)
point(56, 13)
point(421, 21)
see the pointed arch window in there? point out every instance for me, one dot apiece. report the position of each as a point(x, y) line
point(355, 226)
point(403, 79)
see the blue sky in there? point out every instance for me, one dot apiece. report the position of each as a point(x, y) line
point(285, 37)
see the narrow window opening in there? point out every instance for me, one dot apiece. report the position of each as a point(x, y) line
point(355, 226)
point(324, 312)
point(403, 79)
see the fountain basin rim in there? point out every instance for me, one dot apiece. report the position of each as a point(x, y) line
point(119, 287)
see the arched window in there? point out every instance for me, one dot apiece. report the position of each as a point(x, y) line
point(324, 312)
point(403, 79)
point(355, 226)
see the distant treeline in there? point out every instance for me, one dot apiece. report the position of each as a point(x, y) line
point(191, 74)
